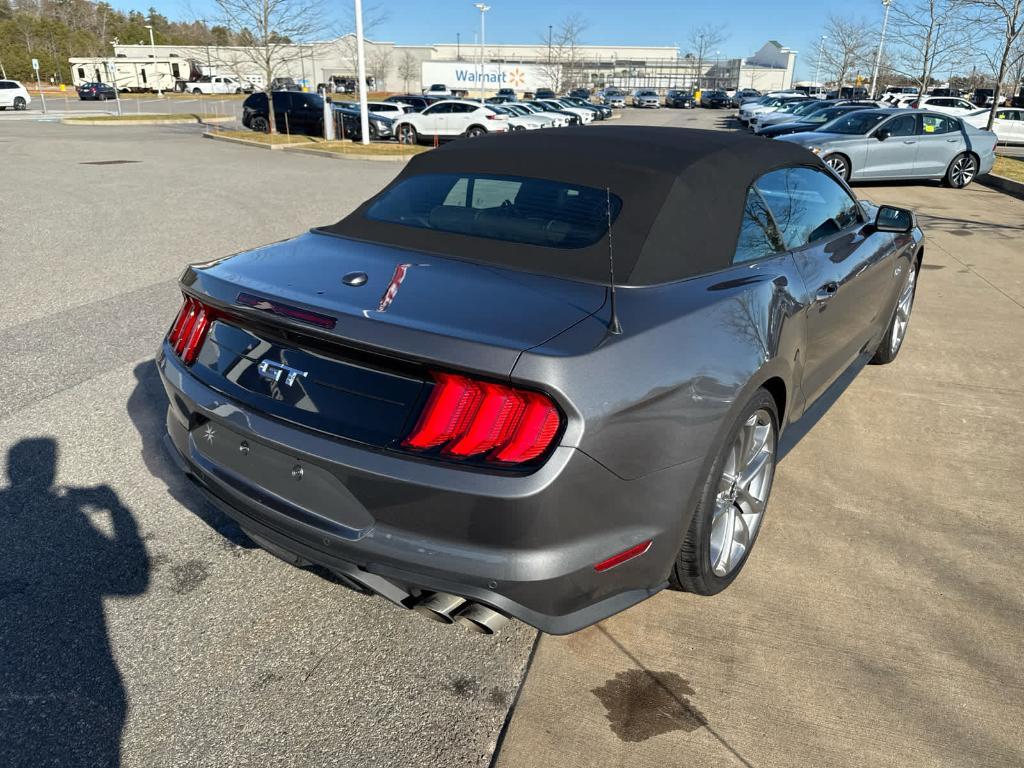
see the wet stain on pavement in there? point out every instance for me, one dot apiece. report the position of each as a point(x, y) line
point(498, 697)
point(932, 266)
point(464, 687)
point(641, 704)
point(188, 576)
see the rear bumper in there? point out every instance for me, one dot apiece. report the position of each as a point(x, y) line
point(523, 545)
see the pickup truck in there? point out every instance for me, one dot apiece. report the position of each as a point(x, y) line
point(442, 91)
point(216, 84)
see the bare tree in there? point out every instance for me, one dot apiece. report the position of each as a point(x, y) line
point(1006, 19)
point(704, 40)
point(408, 68)
point(929, 36)
point(378, 64)
point(274, 25)
point(848, 50)
point(563, 67)
point(373, 16)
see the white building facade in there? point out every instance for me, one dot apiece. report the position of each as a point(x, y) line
point(409, 67)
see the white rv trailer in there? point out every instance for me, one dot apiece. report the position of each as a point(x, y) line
point(131, 74)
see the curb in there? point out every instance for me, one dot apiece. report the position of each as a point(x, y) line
point(349, 155)
point(174, 121)
point(245, 142)
point(310, 150)
point(1003, 184)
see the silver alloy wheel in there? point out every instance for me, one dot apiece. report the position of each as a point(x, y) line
point(406, 134)
point(903, 307)
point(742, 493)
point(838, 164)
point(963, 171)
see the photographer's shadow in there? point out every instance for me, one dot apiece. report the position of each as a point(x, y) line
point(62, 701)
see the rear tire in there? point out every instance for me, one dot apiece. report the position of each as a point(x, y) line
point(961, 171)
point(475, 130)
point(19, 104)
point(196, 92)
point(733, 502)
point(407, 134)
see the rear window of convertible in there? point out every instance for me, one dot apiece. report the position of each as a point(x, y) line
point(531, 211)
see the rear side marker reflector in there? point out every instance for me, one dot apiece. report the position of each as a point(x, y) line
point(623, 556)
point(466, 418)
point(189, 330)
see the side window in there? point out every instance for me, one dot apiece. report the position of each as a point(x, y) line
point(758, 236)
point(936, 124)
point(81, 72)
point(808, 205)
point(174, 69)
point(463, 108)
point(439, 109)
point(904, 125)
point(1005, 115)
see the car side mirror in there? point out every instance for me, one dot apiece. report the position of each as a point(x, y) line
point(892, 219)
point(883, 134)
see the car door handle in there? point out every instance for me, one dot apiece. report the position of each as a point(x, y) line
point(952, 141)
point(827, 291)
point(910, 141)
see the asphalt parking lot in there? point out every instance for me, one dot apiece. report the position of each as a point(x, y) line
point(878, 622)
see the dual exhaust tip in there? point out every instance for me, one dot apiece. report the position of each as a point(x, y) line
point(449, 609)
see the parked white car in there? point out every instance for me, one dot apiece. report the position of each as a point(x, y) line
point(216, 84)
point(585, 115)
point(449, 119)
point(557, 119)
point(13, 94)
point(520, 122)
point(1008, 125)
point(765, 104)
point(390, 109)
point(521, 110)
point(947, 105)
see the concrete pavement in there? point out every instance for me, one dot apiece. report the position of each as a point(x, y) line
point(879, 619)
point(139, 627)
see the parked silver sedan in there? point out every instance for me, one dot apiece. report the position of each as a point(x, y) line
point(883, 144)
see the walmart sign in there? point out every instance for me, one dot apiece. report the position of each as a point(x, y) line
point(467, 75)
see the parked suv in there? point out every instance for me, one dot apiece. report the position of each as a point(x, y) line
point(13, 94)
point(296, 112)
point(544, 93)
point(679, 99)
point(448, 120)
point(646, 98)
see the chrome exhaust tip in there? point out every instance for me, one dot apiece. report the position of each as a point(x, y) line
point(440, 606)
point(481, 619)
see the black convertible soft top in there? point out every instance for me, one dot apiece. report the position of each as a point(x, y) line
point(682, 190)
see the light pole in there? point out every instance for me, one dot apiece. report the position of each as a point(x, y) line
point(364, 117)
point(156, 69)
point(549, 45)
point(458, 46)
point(881, 43)
point(483, 9)
point(817, 67)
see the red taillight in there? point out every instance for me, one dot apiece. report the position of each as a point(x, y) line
point(915, 104)
point(627, 554)
point(189, 330)
point(467, 418)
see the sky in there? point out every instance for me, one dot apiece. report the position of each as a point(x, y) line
point(749, 23)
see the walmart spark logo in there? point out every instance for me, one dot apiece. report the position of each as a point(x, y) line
point(516, 77)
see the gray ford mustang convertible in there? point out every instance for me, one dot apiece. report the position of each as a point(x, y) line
point(519, 383)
